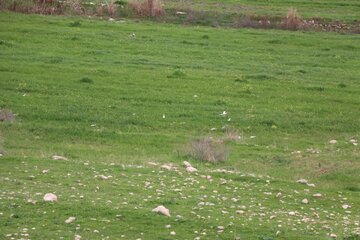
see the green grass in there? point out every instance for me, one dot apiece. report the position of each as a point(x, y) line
point(94, 93)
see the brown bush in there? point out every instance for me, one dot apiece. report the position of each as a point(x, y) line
point(111, 9)
point(292, 21)
point(99, 10)
point(208, 150)
point(148, 8)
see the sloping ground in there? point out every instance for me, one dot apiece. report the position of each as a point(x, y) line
point(113, 95)
point(114, 201)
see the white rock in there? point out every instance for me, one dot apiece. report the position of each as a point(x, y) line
point(278, 194)
point(240, 211)
point(50, 197)
point(317, 195)
point(45, 171)
point(333, 235)
point(105, 177)
point(168, 226)
point(345, 206)
point(333, 141)
point(180, 13)
point(56, 157)
point(311, 185)
point(305, 201)
point(302, 181)
point(167, 167)
point(1, 155)
point(191, 169)
point(70, 219)
point(352, 141)
point(220, 228)
point(172, 233)
point(162, 210)
point(187, 164)
point(77, 237)
point(291, 213)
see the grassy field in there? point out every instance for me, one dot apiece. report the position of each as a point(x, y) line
point(115, 96)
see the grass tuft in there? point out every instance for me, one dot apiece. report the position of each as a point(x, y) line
point(208, 150)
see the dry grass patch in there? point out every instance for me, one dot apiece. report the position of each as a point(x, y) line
point(147, 8)
point(293, 20)
point(6, 116)
point(207, 150)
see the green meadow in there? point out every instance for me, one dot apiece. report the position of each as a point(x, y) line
point(121, 98)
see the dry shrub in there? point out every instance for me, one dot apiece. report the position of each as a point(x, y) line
point(99, 10)
point(208, 150)
point(111, 9)
point(74, 7)
point(6, 116)
point(292, 21)
point(231, 135)
point(148, 8)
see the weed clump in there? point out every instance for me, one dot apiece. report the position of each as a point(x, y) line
point(86, 80)
point(6, 116)
point(292, 21)
point(207, 150)
point(147, 8)
point(177, 74)
point(75, 24)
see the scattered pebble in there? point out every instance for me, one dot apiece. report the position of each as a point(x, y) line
point(305, 201)
point(56, 157)
point(50, 197)
point(70, 219)
point(333, 235)
point(317, 195)
point(302, 181)
point(172, 233)
point(345, 206)
point(333, 141)
point(162, 210)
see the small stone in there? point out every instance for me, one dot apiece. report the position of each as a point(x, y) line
point(305, 201)
point(50, 197)
point(168, 226)
point(317, 195)
point(56, 157)
point(240, 212)
point(311, 185)
point(167, 167)
point(333, 235)
point(291, 213)
point(187, 164)
point(172, 233)
point(191, 169)
point(70, 219)
point(77, 237)
point(333, 141)
point(105, 177)
point(302, 181)
point(162, 210)
point(345, 206)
